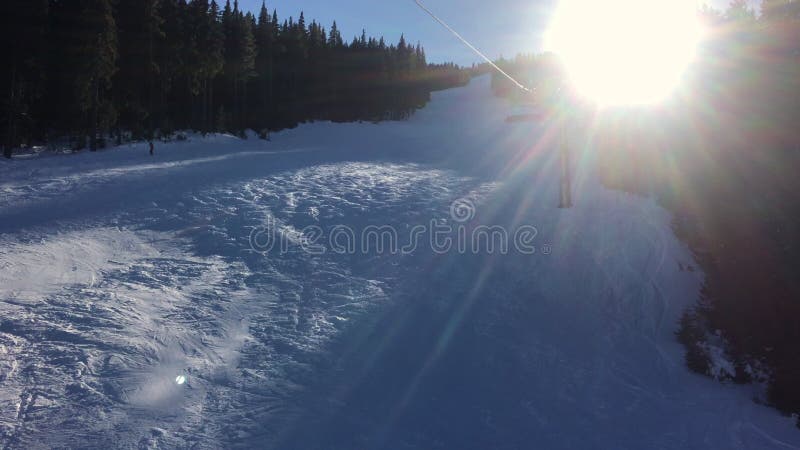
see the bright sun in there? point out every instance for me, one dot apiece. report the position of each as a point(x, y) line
point(624, 51)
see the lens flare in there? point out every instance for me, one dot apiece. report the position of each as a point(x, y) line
point(624, 51)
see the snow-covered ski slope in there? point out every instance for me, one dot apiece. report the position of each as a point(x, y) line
point(120, 272)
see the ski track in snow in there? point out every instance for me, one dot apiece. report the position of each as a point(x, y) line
point(120, 272)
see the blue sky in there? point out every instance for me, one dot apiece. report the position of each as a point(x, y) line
point(498, 27)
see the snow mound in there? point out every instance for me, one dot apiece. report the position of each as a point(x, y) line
point(33, 269)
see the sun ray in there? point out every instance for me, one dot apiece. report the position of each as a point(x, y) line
point(624, 51)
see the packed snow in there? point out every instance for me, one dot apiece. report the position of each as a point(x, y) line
point(138, 311)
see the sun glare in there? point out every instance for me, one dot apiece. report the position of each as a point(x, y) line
point(624, 51)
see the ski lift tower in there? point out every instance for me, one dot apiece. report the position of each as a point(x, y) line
point(565, 108)
point(566, 120)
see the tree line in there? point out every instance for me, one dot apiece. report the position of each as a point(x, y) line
point(744, 226)
point(91, 69)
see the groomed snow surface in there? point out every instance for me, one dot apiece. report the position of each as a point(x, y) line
point(134, 312)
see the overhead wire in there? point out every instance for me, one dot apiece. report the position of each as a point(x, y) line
point(471, 47)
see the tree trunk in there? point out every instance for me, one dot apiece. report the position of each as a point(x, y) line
point(244, 105)
point(211, 124)
point(565, 200)
point(93, 116)
point(204, 118)
point(12, 114)
point(265, 93)
point(193, 104)
point(150, 80)
point(235, 104)
point(271, 107)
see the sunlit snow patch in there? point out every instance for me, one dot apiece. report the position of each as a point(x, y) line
point(106, 320)
point(31, 270)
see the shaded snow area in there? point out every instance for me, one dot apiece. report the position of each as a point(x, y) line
point(142, 305)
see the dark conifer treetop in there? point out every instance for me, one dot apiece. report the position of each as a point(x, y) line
point(142, 68)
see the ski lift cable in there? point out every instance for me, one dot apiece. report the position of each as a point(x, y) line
point(471, 47)
point(565, 194)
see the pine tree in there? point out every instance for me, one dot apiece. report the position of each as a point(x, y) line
point(211, 43)
point(173, 50)
point(335, 38)
point(24, 22)
point(740, 12)
point(86, 44)
point(301, 26)
point(239, 54)
point(402, 57)
point(362, 41)
point(264, 64)
point(776, 10)
point(139, 35)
